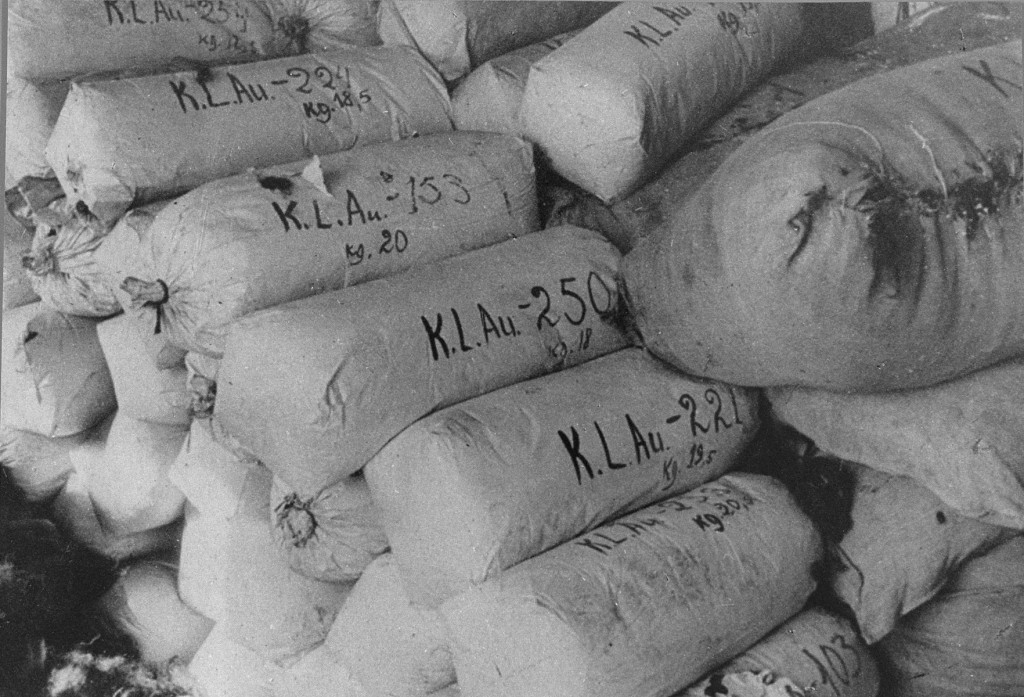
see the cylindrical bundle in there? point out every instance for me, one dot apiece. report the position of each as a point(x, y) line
point(332, 536)
point(392, 645)
point(489, 98)
point(212, 477)
point(145, 606)
point(40, 466)
point(17, 290)
point(962, 439)
point(311, 26)
point(624, 96)
point(261, 239)
point(50, 39)
point(230, 571)
point(967, 642)
point(61, 263)
point(134, 140)
point(901, 549)
point(129, 485)
point(867, 241)
point(975, 25)
point(815, 653)
point(316, 387)
point(527, 467)
point(459, 35)
point(32, 110)
point(55, 378)
point(643, 606)
point(143, 390)
point(222, 667)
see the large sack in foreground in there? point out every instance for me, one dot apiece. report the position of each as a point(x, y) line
point(263, 238)
point(527, 467)
point(32, 110)
point(55, 378)
point(490, 96)
point(969, 641)
point(458, 35)
point(815, 653)
point(123, 142)
point(870, 240)
point(951, 28)
point(332, 536)
point(619, 100)
point(50, 40)
point(314, 388)
point(643, 606)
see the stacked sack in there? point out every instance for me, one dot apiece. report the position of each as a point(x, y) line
point(356, 413)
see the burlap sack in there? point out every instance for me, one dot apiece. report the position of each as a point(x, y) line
point(263, 238)
point(118, 143)
point(357, 366)
point(623, 97)
point(815, 653)
point(869, 240)
point(643, 606)
point(459, 35)
point(477, 487)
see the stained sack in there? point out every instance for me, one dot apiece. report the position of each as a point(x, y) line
point(867, 241)
point(644, 605)
point(359, 365)
point(263, 238)
point(104, 152)
point(624, 96)
point(530, 466)
point(456, 36)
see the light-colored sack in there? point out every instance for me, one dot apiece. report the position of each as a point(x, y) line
point(815, 653)
point(901, 550)
point(318, 674)
point(624, 96)
point(32, 110)
point(332, 536)
point(129, 485)
point(392, 645)
point(144, 391)
point(111, 150)
point(888, 14)
point(643, 606)
point(967, 642)
point(230, 571)
point(40, 466)
point(489, 98)
point(527, 467)
point(357, 366)
point(222, 667)
point(260, 239)
point(145, 606)
point(456, 36)
point(17, 290)
point(53, 39)
point(962, 439)
point(312, 26)
point(55, 378)
point(868, 241)
point(210, 475)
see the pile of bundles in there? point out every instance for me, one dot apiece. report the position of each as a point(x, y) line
point(728, 401)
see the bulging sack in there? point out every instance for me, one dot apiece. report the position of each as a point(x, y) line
point(357, 366)
point(312, 26)
point(527, 467)
point(969, 640)
point(263, 238)
point(119, 143)
point(962, 439)
point(490, 96)
point(332, 536)
point(867, 241)
point(814, 653)
point(625, 95)
point(55, 378)
point(642, 606)
point(901, 550)
point(51, 39)
point(391, 645)
point(32, 110)
point(459, 35)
